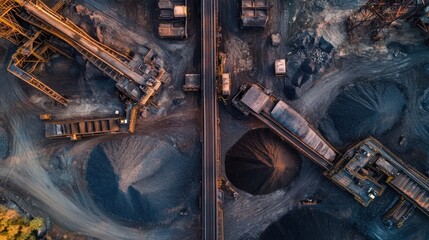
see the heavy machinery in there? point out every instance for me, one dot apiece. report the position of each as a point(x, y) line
point(76, 129)
point(224, 79)
point(398, 213)
point(34, 49)
point(137, 77)
point(376, 15)
point(364, 170)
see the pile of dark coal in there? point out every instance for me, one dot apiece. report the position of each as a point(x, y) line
point(260, 163)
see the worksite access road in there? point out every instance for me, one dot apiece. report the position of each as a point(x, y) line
point(210, 119)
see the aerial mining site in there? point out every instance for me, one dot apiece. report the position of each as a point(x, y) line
point(214, 119)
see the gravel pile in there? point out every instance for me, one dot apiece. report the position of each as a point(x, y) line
point(261, 163)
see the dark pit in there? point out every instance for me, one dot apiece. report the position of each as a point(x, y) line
point(261, 163)
point(139, 179)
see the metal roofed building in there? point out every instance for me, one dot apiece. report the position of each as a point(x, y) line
point(180, 11)
point(295, 123)
point(172, 30)
point(192, 83)
point(254, 13)
point(255, 98)
point(174, 18)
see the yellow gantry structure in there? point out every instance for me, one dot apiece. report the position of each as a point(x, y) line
point(9, 27)
point(138, 78)
point(32, 52)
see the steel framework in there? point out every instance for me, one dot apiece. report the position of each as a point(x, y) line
point(33, 49)
point(378, 14)
point(9, 27)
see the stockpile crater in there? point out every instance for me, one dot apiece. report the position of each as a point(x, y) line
point(139, 179)
point(261, 163)
point(366, 108)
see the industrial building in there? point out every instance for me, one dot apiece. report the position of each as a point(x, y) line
point(192, 83)
point(398, 213)
point(254, 13)
point(280, 67)
point(354, 174)
point(138, 77)
point(172, 30)
point(365, 170)
point(285, 120)
point(173, 16)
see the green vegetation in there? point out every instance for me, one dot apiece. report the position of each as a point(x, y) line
point(17, 227)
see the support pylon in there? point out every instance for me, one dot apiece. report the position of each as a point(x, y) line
point(378, 14)
point(9, 27)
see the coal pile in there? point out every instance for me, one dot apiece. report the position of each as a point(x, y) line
point(309, 224)
point(261, 163)
point(4, 143)
point(369, 108)
point(311, 56)
point(139, 179)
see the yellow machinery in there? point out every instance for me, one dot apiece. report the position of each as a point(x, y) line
point(224, 82)
point(28, 57)
point(33, 49)
point(9, 27)
point(139, 78)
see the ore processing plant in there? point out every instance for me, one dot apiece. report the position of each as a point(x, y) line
point(137, 77)
point(365, 170)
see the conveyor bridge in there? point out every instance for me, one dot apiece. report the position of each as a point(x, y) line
point(363, 170)
point(139, 78)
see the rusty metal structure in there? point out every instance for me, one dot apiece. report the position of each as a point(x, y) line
point(33, 51)
point(36, 28)
point(376, 15)
point(365, 170)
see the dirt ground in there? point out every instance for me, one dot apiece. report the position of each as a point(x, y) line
point(157, 171)
point(392, 78)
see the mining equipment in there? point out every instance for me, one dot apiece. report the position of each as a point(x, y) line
point(398, 213)
point(45, 117)
point(286, 122)
point(33, 48)
point(310, 201)
point(76, 129)
point(192, 82)
point(226, 84)
point(137, 77)
point(225, 185)
point(173, 16)
point(364, 170)
point(376, 15)
point(254, 13)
